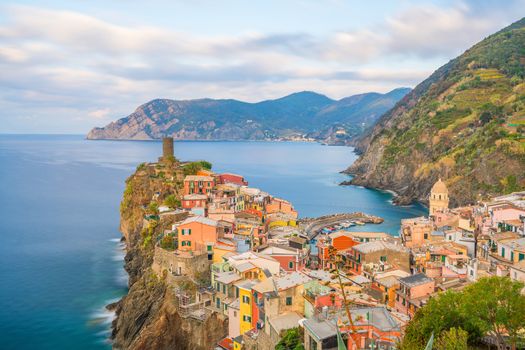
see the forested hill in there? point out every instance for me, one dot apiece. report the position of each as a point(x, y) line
point(299, 115)
point(465, 124)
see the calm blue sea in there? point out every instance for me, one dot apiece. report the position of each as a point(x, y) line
point(60, 260)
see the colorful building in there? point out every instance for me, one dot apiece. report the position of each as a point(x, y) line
point(198, 184)
point(413, 293)
point(197, 233)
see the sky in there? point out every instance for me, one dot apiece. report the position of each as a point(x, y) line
point(67, 66)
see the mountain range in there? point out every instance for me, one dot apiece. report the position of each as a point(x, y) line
point(302, 115)
point(464, 124)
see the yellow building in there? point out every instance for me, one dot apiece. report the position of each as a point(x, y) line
point(245, 304)
point(438, 201)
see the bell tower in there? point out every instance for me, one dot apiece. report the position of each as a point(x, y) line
point(438, 201)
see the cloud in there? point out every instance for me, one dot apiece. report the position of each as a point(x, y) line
point(68, 66)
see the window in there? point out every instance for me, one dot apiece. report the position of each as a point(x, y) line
point(245, 299)
point(224, 289)
point(210, 248)
point(247, 318)
point(183, 243)
point(288, 301)
point(425, 236)
point(382, 258)
point(235, 314)
point(290, 265)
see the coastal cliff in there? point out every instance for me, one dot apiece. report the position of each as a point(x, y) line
point(148, 317)
point(464, 124)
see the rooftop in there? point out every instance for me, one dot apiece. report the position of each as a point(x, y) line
point(415, 280)
point(378, 317)
point(285, 321)
point(375, 246)
point(198, 178)
point(227, 277)
point(200, 219)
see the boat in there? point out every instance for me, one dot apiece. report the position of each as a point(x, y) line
point(359, 223)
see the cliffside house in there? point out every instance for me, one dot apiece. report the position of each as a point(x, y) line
point(198, 184)
point(197, 233)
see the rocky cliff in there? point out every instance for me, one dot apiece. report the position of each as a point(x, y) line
point(147, 317)
point(300, 115)
point(465, 124)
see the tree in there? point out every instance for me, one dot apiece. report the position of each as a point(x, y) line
point(498, 307)
point(153, 208)
point(291, 340)
point(453, 339)
point(172, 201)
point(442, 313)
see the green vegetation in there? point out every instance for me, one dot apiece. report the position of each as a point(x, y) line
point(465, 123)
point(167, 242)
point(291, 340)
point(153, 208)
point(172, 201)
point(193, 167)
point(126, 199)
point(491, 305)
point(453, 339)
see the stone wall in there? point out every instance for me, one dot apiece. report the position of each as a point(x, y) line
point(180, 264)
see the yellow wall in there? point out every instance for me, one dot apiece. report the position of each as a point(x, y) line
point(218, 254)
point(237, 346)
point(245, 310)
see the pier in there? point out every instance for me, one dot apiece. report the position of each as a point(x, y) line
point(313, 226)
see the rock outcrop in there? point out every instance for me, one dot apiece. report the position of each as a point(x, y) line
point(147, 317)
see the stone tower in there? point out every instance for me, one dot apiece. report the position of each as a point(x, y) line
point(167, 148)
point(438, 200)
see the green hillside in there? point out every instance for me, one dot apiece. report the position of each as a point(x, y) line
point(465, 123)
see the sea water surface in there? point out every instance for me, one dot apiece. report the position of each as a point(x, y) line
point(60, 258)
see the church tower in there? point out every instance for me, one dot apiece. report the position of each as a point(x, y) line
point(438, 200)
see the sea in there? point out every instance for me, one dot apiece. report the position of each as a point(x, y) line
point(61, 260)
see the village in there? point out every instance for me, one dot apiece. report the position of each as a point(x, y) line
point(243, 255)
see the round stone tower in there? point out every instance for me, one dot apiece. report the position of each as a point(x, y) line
point(167, 148)
point(438, 201)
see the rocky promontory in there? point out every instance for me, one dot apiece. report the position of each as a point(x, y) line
point(148, 316)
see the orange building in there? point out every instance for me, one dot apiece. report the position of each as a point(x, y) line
point(342, 240)
point(197, 233)
point(278, 205)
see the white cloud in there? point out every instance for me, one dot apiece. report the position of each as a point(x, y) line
point(72, 63)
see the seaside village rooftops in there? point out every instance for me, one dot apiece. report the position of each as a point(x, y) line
point(415, 280)
point(265, 278)
point(227, 277)
point(198, 178)
point(516, 198)
point(377, 317)
point(201, 220)
point(375, 246)
point(276, 284)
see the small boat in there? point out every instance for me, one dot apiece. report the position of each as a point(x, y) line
point(359, 223)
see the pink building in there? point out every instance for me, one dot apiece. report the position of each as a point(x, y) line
point(413, 293)
point(190, 201)
point(232, 179)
